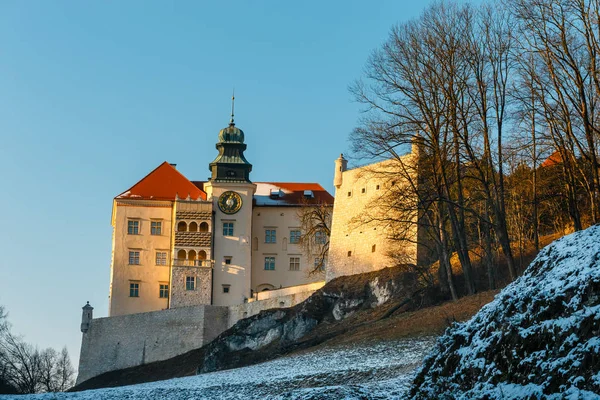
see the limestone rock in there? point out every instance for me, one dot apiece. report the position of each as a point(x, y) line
point(539, 338)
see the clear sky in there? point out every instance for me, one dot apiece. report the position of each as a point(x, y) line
point(94, 95)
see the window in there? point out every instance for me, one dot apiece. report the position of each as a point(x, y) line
point(269, 263)
point(155, 227)
point(163, 291)
point(133, 227)
point(227, 228)
point(227, 260)
point(349, 254)
point(373, 248)
point(349, 194)
point(294, 263)
point(377, 187)
point(134, 258)
point(363, 190)
point(295, 236)
point(190, 283)
point(270, 236)
point(226, 288)
point(134, 289)
point(161, 258)
point(320, 237)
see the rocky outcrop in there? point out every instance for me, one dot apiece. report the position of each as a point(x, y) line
point(324, 315)
point(539, 338)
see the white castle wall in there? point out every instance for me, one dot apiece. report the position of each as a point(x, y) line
point(129, 340)
point(281, 298)
point(283, 220)
point(358, 246)
point(125, 341)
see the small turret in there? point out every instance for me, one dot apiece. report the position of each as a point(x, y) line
point(417, 143)
point(86, 317)
point(341, 164)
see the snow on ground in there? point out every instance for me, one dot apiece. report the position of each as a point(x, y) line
point(379, 371)
point(537, 339)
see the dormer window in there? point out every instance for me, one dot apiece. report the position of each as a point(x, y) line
point(275, 193)
point(309, 194)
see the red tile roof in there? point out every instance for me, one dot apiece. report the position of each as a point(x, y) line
point(290, 194)
point(164, 183)
point(555, 158)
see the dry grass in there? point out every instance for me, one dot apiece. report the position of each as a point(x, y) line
point(427, 321)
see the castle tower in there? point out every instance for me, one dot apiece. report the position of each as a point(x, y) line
point(231, 192)
point(341, 165)
point(86, 317)
point(417, 144)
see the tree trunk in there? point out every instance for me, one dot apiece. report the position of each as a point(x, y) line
point(445, 260)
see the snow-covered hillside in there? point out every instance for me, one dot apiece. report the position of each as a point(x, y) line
point(381, 371)
point(538, 339)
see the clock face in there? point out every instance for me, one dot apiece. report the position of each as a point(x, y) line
point(230, 202)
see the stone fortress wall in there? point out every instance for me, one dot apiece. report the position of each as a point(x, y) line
point(359, 236)
point(124, 341)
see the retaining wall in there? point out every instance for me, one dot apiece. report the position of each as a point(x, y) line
point(280, 298)
point(129, 340)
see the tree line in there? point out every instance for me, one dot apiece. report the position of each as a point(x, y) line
point(24, 368)
point(500, 100)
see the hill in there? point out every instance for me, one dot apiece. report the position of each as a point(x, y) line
point(539, 338)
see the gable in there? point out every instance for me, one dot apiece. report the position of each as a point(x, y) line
point(163, 183)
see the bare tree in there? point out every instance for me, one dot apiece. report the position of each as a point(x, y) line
point(315, 231)
point(563, 36)
point(22, 362)
point(28, 369)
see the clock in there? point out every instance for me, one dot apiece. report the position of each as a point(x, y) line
point(230, 202)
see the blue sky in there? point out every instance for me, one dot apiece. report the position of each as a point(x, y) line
point(94, 95)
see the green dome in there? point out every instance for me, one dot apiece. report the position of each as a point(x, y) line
point(231, 134)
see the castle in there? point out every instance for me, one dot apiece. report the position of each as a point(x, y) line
point(179, 243)
point(191, 258)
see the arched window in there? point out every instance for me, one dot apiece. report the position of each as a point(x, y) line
point(181, 227)
point(264, 287)
point(201, 255)
point(181, 254)
point(193, 227)
point(203, 227)
point(192, 255)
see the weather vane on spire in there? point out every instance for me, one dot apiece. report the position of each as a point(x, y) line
point(232, 107)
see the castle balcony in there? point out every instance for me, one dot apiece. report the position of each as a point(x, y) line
point(192, 263)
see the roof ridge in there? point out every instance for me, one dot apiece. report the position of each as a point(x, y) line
point(143, 179)
point(170, 170)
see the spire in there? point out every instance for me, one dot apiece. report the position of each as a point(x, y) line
point(232, 107)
